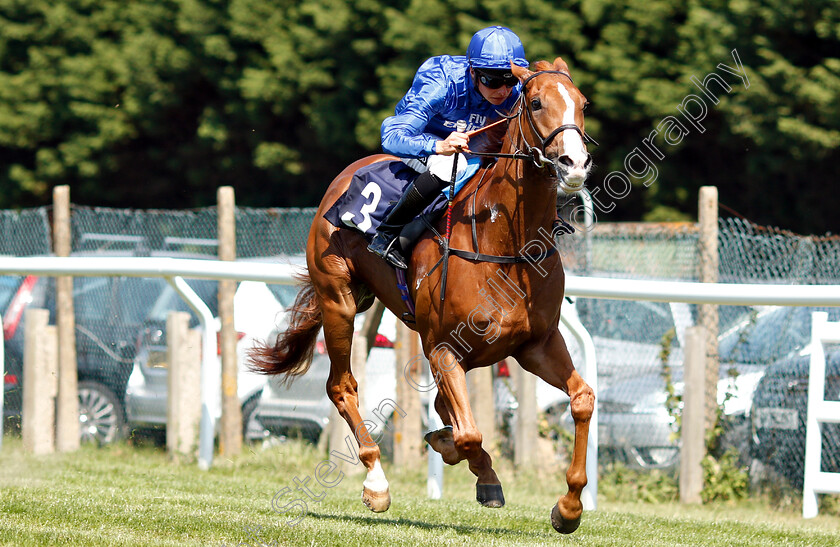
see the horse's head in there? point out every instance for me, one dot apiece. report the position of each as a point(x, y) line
point(552, 108)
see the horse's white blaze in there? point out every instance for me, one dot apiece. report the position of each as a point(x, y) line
point(572, 141)
point(375, 480)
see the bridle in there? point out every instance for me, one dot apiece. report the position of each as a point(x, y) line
point(545, 141)
point(537, 154)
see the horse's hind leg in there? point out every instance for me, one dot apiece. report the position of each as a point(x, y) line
point(338, 308)
point(550, 361)
point(463, 440)
point(442, 440)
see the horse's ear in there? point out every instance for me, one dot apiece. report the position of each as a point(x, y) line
point(520, 72)
point(543, 65)
point(560, 64)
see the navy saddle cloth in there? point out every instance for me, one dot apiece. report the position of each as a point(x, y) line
point(371, 195)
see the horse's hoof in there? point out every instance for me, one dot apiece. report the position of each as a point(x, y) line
point(377, 502)
point(441, 442)
point(562, 525)
point(429, 437)
point(489, 495)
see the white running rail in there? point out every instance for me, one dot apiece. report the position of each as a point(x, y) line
point(819, 411)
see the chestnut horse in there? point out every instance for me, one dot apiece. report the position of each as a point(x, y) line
point(500, 302)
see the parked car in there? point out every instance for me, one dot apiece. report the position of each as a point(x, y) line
point(628, 335)
point(634, 424)
point(256, 309)
point(108, 312)
point(636, 428)
point(780, 407)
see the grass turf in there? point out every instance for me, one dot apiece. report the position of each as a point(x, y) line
point(126, 495)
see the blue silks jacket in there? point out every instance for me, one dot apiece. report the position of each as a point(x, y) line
point(442, 94)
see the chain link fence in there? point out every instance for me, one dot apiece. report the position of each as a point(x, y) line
point(25, 233)
point(763, 383)
point(763, 351)
point(259, 232)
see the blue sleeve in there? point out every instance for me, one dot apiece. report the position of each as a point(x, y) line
point(403, 134)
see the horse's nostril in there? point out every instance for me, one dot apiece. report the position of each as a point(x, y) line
point(566, 160)
point(588, 161)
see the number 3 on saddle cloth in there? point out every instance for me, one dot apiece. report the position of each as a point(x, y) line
point(376, 187)
point(371, 195)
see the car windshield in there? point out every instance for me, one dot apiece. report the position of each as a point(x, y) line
point(285, 294)
point(170, 300)
point(126, 299)
point(763, 337)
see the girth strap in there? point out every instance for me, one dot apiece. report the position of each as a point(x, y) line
point(496, 259)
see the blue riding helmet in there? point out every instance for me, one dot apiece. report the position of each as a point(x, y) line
point(494, 48)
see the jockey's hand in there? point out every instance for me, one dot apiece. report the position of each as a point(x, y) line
point(455, 142)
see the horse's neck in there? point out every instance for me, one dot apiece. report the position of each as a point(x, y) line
point(514, 204)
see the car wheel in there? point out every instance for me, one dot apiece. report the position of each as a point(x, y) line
point(101, 417)
point(252, 429)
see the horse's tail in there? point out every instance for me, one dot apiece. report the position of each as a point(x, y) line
point(291, 353)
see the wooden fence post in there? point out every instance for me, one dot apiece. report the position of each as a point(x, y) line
point(480, 389)
point(183, 382)
point(708, 313)
point(693, 417)
point(525, 436)
point(408, 429)
point(40, 369)
point(230, 428)
point(67, 402)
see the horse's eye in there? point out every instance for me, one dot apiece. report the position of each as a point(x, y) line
point(586, 105)
point(536, 104)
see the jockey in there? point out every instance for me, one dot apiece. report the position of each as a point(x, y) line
point(447, 92)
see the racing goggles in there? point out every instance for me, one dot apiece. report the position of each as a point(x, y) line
point(494, 79)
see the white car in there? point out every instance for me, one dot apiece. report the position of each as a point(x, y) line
point(256, 311)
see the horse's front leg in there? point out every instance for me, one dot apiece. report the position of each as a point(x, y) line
point(549, 359)
point(461, 439)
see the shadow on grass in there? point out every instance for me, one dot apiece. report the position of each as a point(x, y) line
point(460, 528)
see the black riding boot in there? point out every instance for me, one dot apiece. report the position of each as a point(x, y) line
point(417, 196)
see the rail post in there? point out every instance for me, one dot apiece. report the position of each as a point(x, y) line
point(183, 406)
point(708, 313)
point(40, 366)
point(525, 447)
point(693, 418)
point(230, 427)
point(67, 401)
point(407, 429)
point(480, 389)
